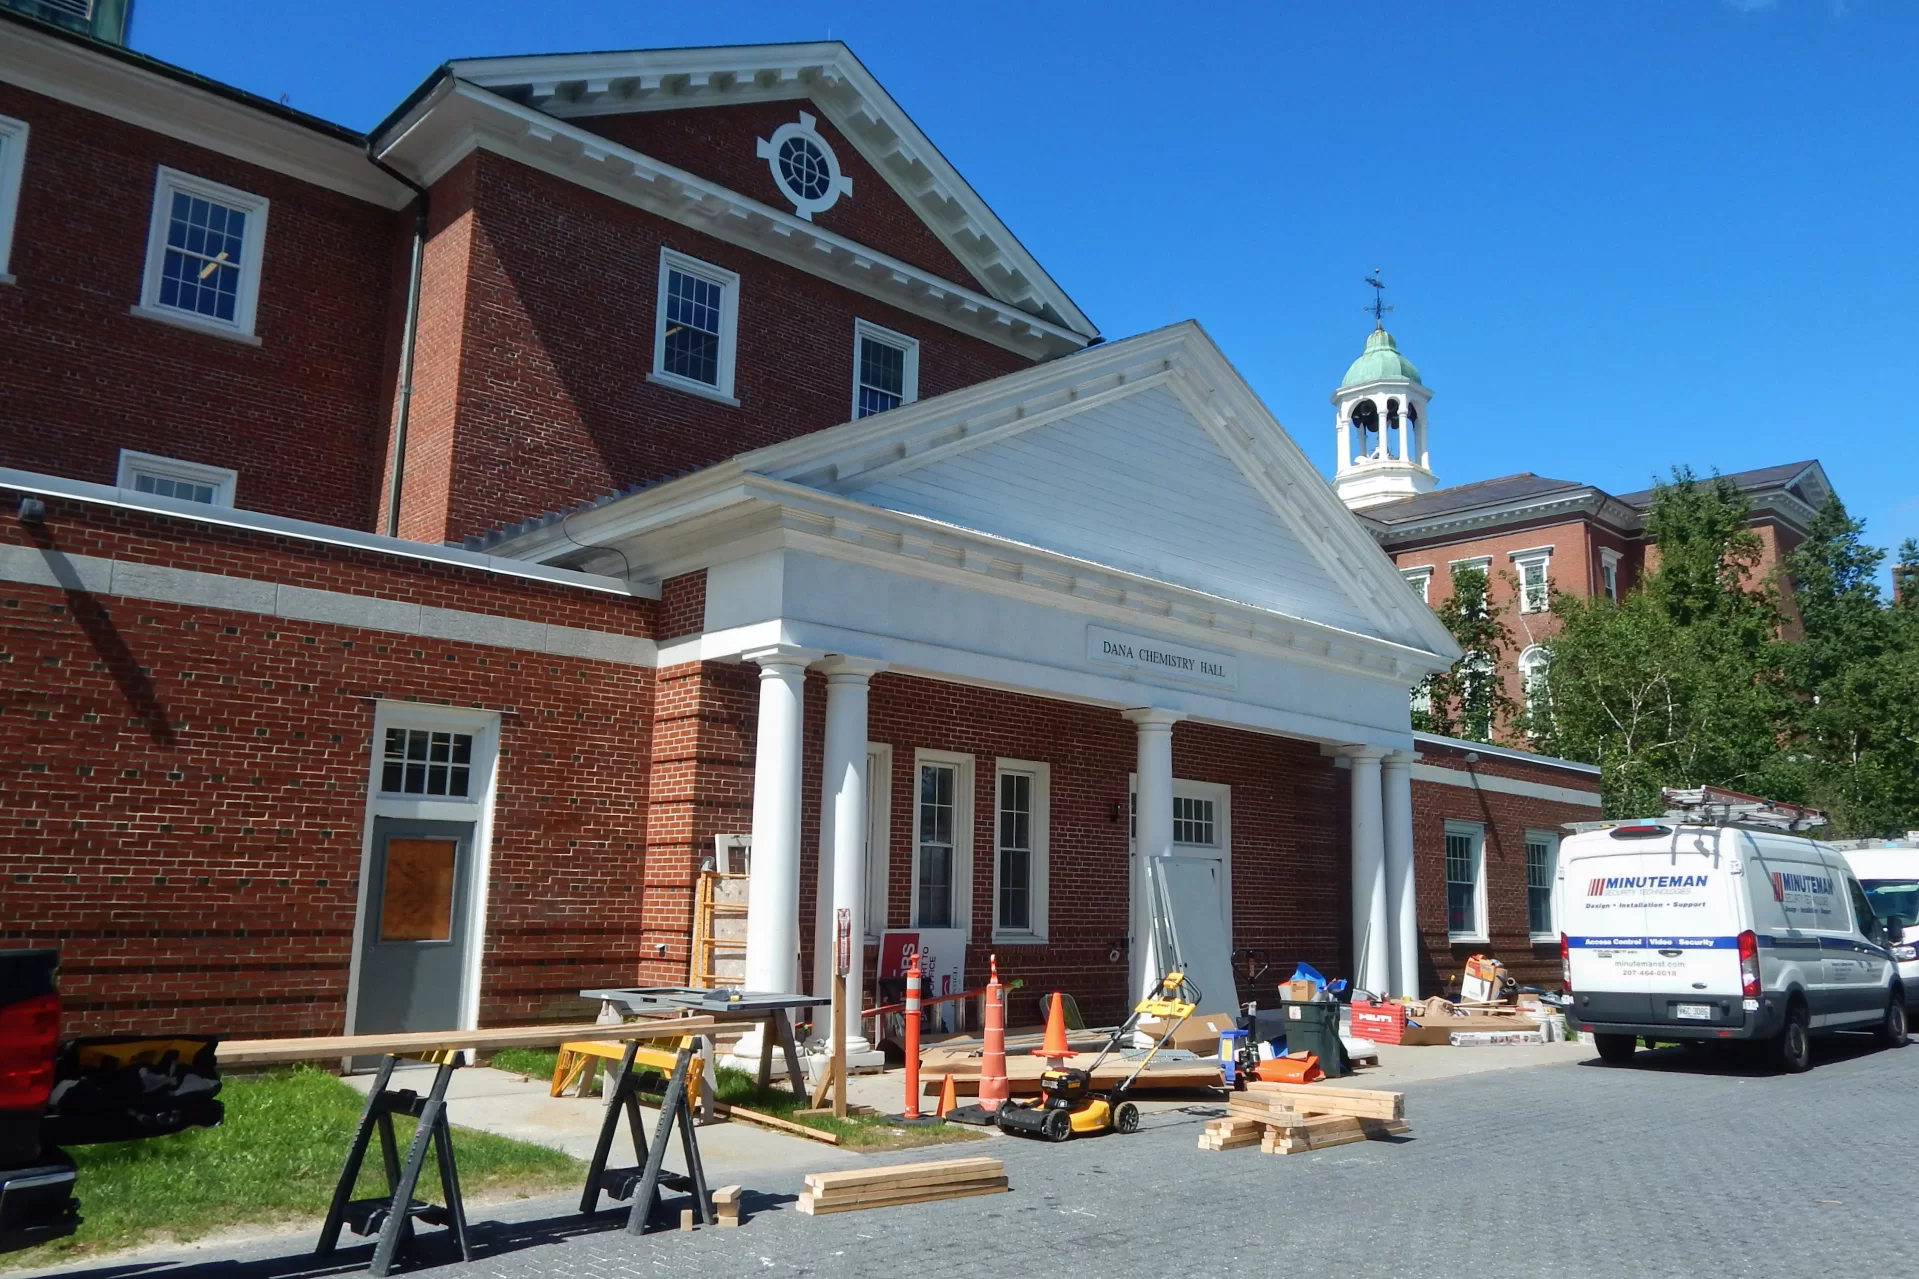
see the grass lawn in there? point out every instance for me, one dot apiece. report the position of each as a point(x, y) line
point(856, 1132)
point(275, 1159)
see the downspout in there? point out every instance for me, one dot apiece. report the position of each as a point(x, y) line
point(409, 337)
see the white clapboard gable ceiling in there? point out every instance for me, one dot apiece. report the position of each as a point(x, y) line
point(1150, 456)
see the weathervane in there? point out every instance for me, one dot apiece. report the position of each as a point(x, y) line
point(1379, 308)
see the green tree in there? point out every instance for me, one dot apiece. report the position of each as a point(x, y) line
point(1681, 682)
point(1469, 700)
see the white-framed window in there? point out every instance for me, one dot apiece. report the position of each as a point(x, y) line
point(942, 839)
point(1542, 857)
point(171, 477)
point(13, 159)
point(1465, 881)
point(1421, 580)
point(1535, 578)
point(879, 813)
point(804, 167)
point(697, 326)
point(431, 761)
point(1609, 575)
point(205, 242)
point(1532, 679)
point(1021, 808)
point(886, 369)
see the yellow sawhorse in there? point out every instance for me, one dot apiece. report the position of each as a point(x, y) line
point(578, 1058)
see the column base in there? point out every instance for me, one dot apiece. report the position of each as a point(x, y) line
point(861, 1059)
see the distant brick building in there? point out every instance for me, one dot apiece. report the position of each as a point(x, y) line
point(413, 571)
point(1530, 535)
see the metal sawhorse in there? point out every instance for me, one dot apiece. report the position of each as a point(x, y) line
point(642, 1184)
point(392, 1218)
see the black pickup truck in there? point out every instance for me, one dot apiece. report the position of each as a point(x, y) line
point(55, 1094)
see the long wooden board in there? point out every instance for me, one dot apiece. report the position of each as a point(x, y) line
point(1314, 1099)
point(261, 1052)
point(726, 1110)
point(814, 1208)
point(893, 1174)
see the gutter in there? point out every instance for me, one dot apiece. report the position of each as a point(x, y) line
point(409, 338)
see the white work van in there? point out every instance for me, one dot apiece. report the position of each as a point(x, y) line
point(1684, 932)
point(1889, 873)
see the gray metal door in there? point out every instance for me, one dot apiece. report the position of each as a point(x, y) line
point(418, 926)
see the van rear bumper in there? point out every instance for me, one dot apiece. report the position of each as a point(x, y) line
point(1609, 1014)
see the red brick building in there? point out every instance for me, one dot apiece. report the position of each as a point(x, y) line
point(1529, 534)
point(452, 536)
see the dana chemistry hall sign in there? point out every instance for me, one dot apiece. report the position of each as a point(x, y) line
point(1162, 659)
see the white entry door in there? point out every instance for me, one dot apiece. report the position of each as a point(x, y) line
point(1202, 842)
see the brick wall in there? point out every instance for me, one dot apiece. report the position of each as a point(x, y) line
point(719, 144)
point(298, 416)
point(182, 792)
point(555, 322)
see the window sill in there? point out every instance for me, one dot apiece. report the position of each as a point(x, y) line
point(8, 279)
point(691, 387)
point(1018, 939)
point(1545, 939)
point(181, 321)
point(1468, 939)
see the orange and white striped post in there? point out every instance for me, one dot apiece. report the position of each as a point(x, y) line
point(912, 1110)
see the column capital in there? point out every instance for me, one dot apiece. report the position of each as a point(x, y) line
point(1153, 716)
point(1401, 759)
point(775, 656)
point(1361, 752)
point(844, 668)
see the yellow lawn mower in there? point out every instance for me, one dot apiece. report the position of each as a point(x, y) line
point(1068, 1106)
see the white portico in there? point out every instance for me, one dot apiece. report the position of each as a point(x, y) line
point(1126, 531)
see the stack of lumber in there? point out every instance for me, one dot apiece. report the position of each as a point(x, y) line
point(1290, 1118)
point(726, 1205)
point(897, 1184)
point(962, 1062)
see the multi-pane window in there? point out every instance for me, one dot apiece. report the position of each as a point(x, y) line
point(168, 486)
point(693, 327)
point(885, 369)
point(938, 786)
point(698, 312)
point(1609, 575)
point(1193, 821)
point(1015, 852)
point(1533, 590)
point(1532, 685)
point(1462, 881)
point(426, 762)
point(1539, 884)
point(177, 479)
point(203, 252)
point(1421, 580)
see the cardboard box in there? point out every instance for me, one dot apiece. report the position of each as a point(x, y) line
point(1200, 1032)
point(1299, 991)
point(1488, 1038)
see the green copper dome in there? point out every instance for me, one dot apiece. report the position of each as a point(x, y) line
point(1379, 361)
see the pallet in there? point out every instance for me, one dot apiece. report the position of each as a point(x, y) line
point(861, 1188)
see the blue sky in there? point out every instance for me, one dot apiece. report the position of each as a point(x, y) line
point(1619, 236)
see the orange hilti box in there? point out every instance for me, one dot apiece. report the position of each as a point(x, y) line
point(1381, 1023)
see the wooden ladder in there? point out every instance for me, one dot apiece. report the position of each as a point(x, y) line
point(717, 960)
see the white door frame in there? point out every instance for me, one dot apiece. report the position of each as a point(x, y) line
point(1140, 956)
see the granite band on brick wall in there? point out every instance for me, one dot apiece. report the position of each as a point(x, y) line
point(165, 585)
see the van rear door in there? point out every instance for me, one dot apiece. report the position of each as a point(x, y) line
point(1653, 924)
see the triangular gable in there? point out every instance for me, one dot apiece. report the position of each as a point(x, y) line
point(578, 87)
point(1150, 456)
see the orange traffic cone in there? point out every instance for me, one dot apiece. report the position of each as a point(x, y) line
point(1055, 1044)
point(949, 1098)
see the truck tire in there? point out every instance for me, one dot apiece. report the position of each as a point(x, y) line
point(1616, 1049)
point(1791, 1051)
point(1892, 1030)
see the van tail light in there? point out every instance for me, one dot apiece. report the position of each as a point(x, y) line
point(1566, 963)
point(1748, 964)
point(29, 1043)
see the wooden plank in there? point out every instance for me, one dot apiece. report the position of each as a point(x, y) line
point(726, 1195)
point(727, 1111)
point(1312, 1099)
point(811, 1208)
point(899, 1185)
point(260, 1052)
point(884, 1194)
point(958, 1169)
point(1293, 1141)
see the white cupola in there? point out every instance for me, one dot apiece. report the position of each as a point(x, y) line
point(1380, 421)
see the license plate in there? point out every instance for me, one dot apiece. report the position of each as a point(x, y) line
point(1694, 1012)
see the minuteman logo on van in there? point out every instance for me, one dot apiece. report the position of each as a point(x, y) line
point(1784, 882)
point(1613, 885)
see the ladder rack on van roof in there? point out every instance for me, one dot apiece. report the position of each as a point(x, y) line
point(1716, 806)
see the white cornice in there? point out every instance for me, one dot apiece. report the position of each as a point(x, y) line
point(588, 84)
point(459, 118)
point(71, 73)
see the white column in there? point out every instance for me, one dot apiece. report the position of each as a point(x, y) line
point(843, 819)
point(1154, 830)
point(1402, 901)
point(1372, 959)
point(1343, 428)
point(773, 887)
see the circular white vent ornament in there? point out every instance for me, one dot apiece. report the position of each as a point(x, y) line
point(804, 168)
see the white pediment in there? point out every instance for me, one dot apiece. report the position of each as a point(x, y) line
point(1148, 456)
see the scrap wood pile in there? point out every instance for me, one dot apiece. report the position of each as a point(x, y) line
point(888, 1187)
point(1285, 1119)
